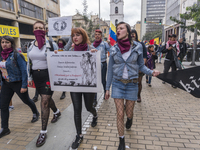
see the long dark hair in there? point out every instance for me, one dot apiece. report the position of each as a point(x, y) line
point(12, 41)
point(128, 27)
point(134, 31)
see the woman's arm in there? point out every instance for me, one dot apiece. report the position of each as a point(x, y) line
point(68, 45)
point(110, 73)
point(22, 67)
point(142, 67)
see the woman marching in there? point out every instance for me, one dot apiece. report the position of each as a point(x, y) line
point(81, 43)
point(126, 60)
point(151, 57)
point(14, 77)
point(38, 71)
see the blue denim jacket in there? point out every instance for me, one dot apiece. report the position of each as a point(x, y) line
point(16, 69)
point(134, 63)
point(104, 48)
point(55, 47)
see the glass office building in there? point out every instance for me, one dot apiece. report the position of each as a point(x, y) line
point(155, 11)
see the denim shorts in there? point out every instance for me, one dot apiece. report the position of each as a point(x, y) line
point(124, 91)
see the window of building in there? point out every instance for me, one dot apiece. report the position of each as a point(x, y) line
point(7, 4)
point(50, 14)
point(55, 1)
point(116, 22)
point(104, 30)
point(116, 10)
point(31, 10)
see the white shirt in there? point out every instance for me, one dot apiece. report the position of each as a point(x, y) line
point(38, 58)
point(125, 57)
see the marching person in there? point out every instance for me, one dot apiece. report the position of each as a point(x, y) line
point(81, 43)
point(38, 71)
point(126, 59)
point(159, 52)
point(134, 36)
point(14, 78)
point(172, 56)
point(183, 48)
point(151, 57)
point(104, 48)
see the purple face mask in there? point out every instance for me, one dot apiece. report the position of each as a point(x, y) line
point(5, 53)
point(40, 37)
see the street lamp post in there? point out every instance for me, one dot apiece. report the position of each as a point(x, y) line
point(99, 14)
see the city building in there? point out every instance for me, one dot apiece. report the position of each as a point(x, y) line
point(20, 15)
point(116, 11)
point(153, 11)
point(79, 20)
point(137, 27)
point(174, 9)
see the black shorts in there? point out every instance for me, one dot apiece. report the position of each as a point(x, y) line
point(42, 82)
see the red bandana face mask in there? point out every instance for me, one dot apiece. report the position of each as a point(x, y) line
point(40, 37)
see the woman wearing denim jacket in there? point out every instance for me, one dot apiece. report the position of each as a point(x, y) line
point(38, 72)
point(81, 43)
point(126, 59)
point(14, 77)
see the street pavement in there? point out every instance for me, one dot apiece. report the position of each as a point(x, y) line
point(166, 119)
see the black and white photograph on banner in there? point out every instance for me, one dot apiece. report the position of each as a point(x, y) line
point(71, 71)
point(186, 79)
point(59, 26)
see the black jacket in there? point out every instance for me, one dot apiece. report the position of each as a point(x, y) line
point(183, 48)
point(169, 53)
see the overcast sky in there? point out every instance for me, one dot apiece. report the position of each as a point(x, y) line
point(132, 9)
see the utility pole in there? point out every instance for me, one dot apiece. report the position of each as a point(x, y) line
point(99, 15)
point(195, 42)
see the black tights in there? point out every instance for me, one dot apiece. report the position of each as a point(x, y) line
point(77, 103)
point(139, 86)
point(46, 103)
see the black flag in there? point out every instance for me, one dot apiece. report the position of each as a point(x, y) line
point(186, 79)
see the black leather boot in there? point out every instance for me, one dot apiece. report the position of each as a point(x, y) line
point(129, 123)
point(4, 132)
point(121, 144)
point(35, 98)
point(62, 96)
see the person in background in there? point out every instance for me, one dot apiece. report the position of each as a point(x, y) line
point(159, 52)
point(183, 49)
point(14, 80)
point(172, 51)
point(104, 48)
point(150, 63)
point(134, 36)
point(38, 72)
point(126, 59)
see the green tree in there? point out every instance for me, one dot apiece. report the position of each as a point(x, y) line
point(193, 13)
point(152, 35)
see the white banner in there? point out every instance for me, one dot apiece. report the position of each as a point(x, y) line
point(75, 71)
point(60, 26)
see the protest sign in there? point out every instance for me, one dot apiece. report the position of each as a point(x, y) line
point(60, 26)
point(75, 71)
point(186, 79)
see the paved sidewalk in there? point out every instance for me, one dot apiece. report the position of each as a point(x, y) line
point(22, 130)
point(166, 119)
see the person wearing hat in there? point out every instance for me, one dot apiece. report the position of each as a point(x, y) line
point(172, 56)
point(104, 48)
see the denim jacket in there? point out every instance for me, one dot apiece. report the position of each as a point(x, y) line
point(104, 48)
point(55, 47)
point(134, 63)
point(16, 70)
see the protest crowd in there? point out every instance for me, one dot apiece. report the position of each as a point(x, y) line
point(121, 74)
